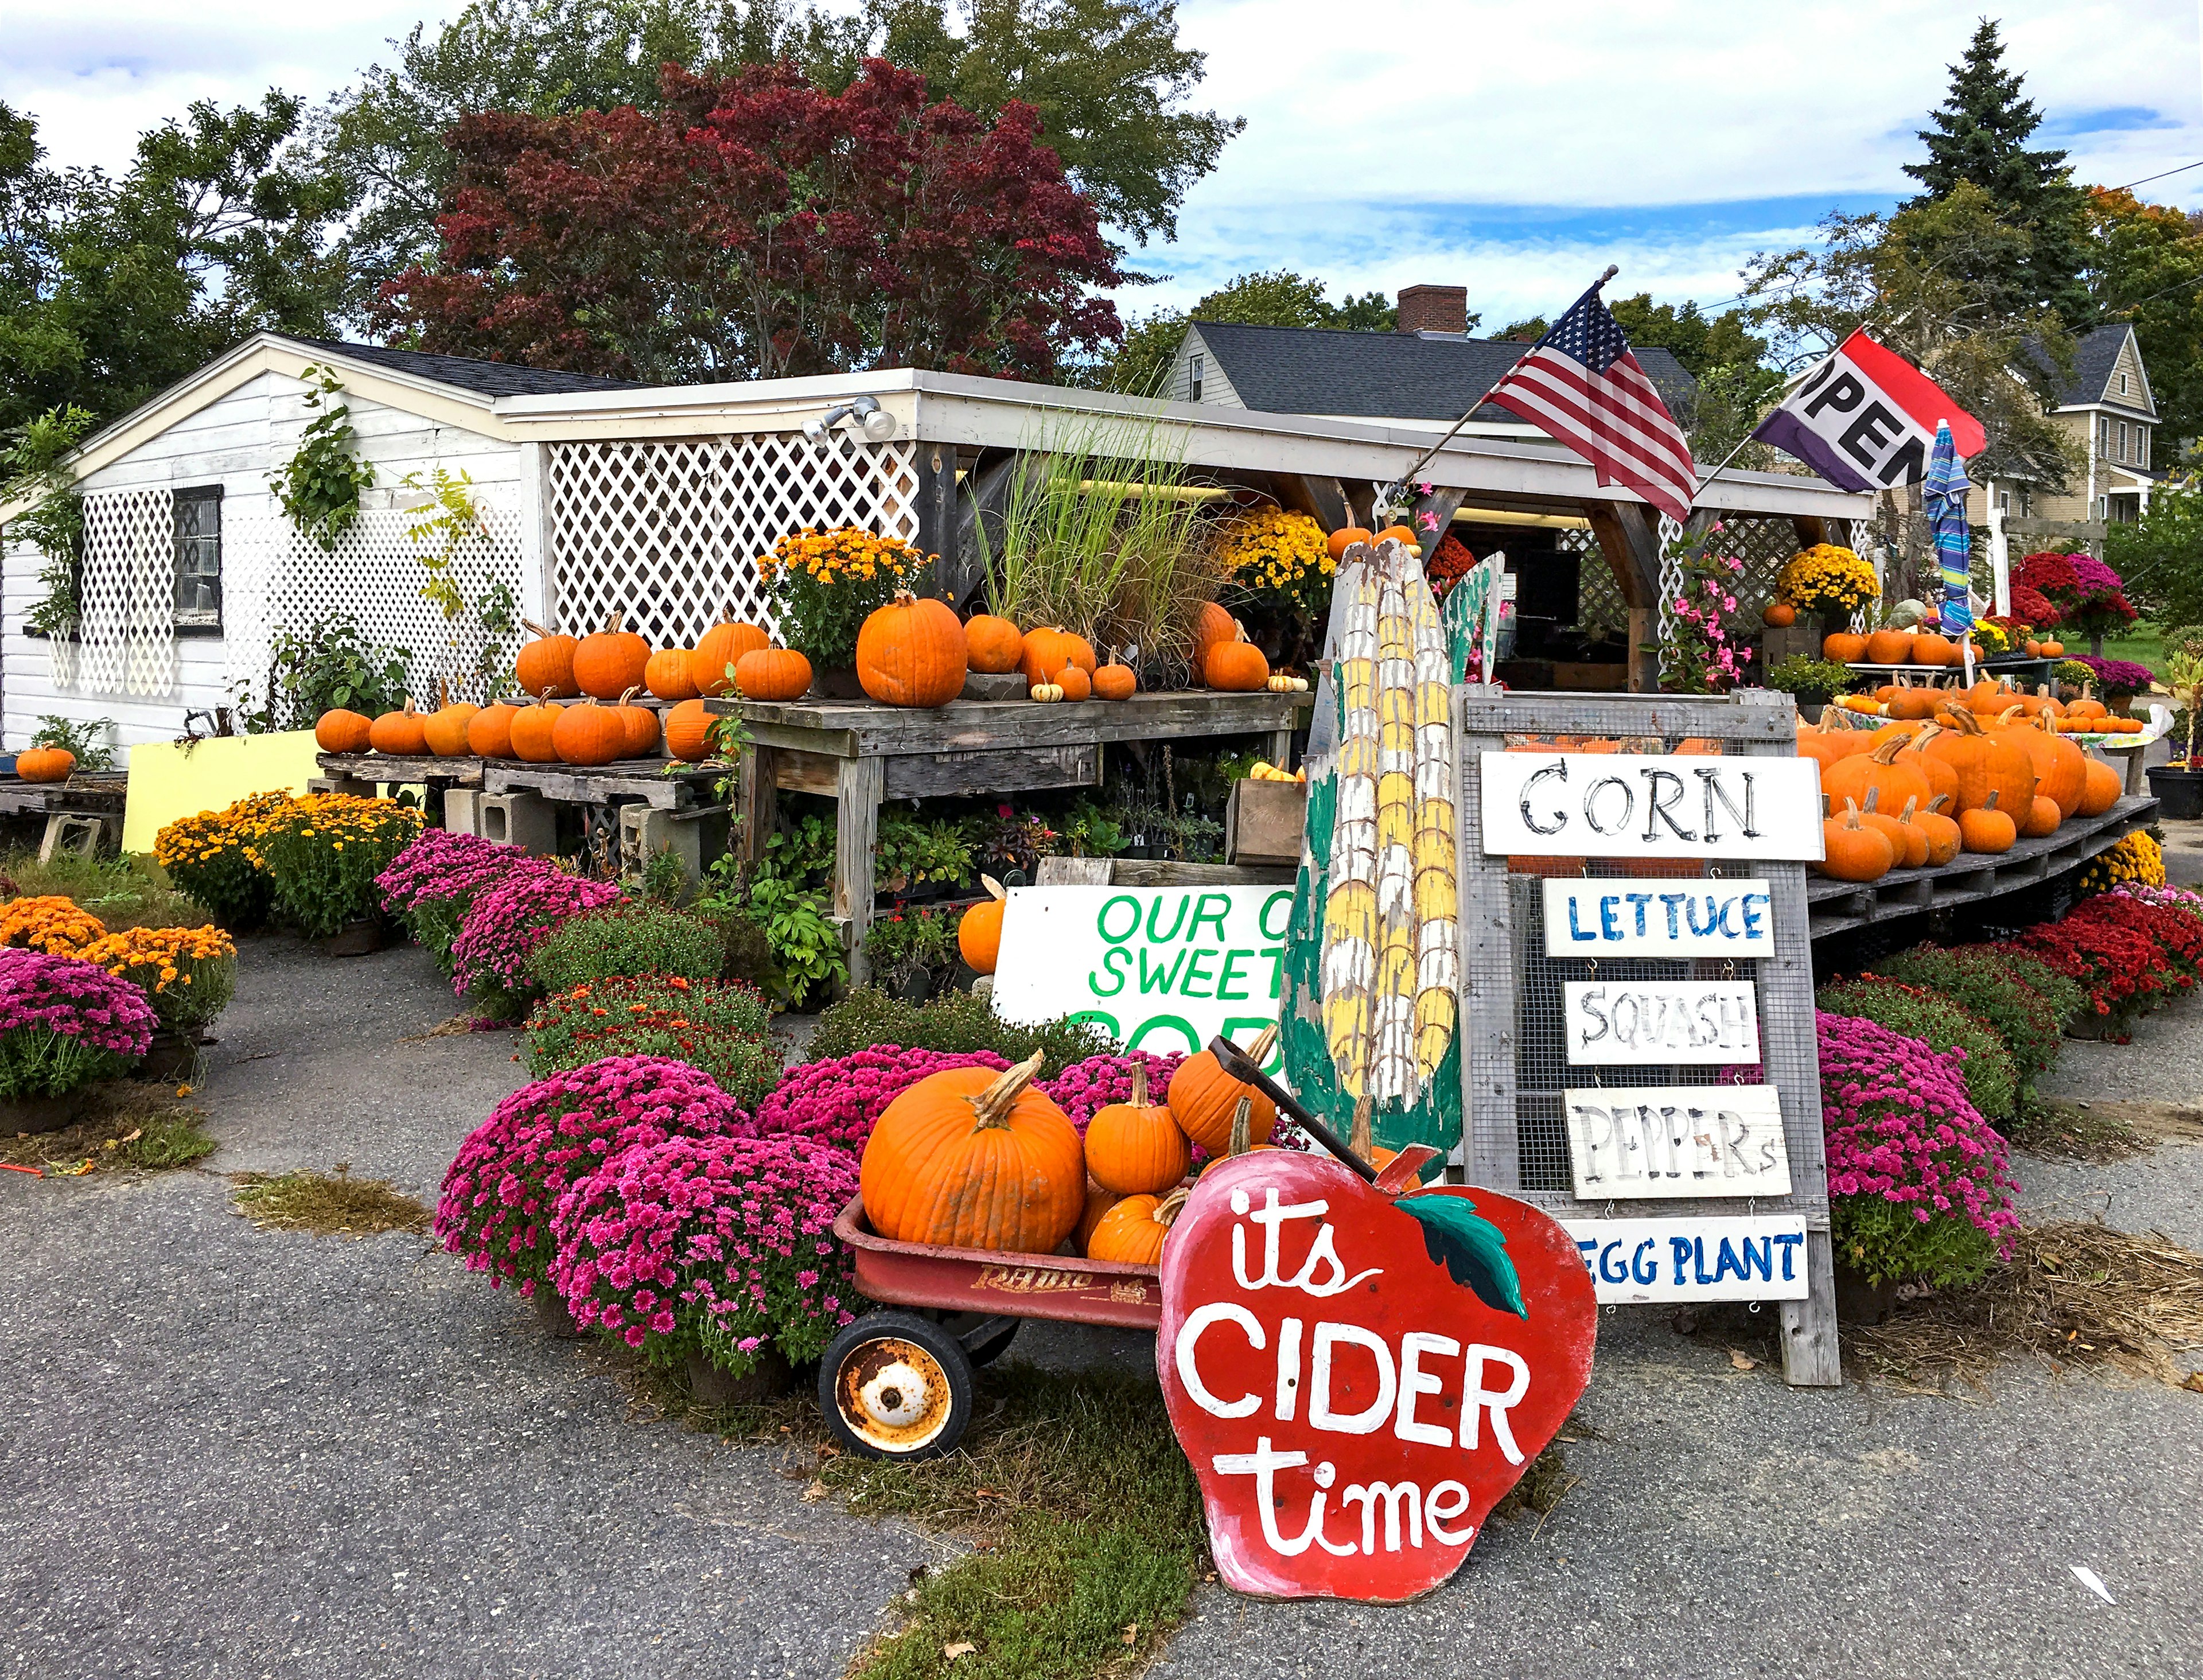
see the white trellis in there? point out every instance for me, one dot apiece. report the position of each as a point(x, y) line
point(667, 533)
point(125, 598)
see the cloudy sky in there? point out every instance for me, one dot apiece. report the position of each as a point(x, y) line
point(1511, 148)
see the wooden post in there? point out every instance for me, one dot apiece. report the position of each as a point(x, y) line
point(858, 786)
point(1323, 499)
point(1630, 544)
point(937, 523)
point(1812, 529)
point(755, 784)
point(979, 510)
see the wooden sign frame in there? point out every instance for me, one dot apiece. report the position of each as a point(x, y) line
point(1500, 1118)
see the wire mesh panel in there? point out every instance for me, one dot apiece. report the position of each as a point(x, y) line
point(668, 533)
point(126, 597)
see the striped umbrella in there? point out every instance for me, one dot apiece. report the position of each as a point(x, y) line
point(1944, 497)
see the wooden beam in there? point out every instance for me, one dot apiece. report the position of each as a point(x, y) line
point(1441, 503)
point(1323, 499)
point(1812, 530)
point(938, 525)
point(1629, 540)
point(979, 510)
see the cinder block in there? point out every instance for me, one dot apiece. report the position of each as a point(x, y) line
point(694, 837)
point(80, 835)
point(521, 818)
point(462, 810)
point(346, 784)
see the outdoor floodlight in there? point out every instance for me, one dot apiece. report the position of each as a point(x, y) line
point(875, 421)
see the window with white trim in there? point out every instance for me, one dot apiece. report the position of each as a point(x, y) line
point(2123, 385)
point(2122, 440)
point(1196, 374)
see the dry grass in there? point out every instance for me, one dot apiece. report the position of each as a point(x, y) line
point(131, 1124)
point(2074, 1293)
point(328, 1205)
point(2064, 1131)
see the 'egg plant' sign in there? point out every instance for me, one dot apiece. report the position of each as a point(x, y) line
point(1357, 1384)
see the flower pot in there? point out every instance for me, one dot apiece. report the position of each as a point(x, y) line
point(914, 988)
point(2116, 704)
point(836, 685)
point(358, 938)
point(2179, 793)
point(1858, 1302)
point(43, 1113)
point(770, 1378)
point(171, 1056)
point(553, 1315)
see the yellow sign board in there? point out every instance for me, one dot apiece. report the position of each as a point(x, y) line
point(169, 780)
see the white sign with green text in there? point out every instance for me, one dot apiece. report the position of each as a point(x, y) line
point(1162, 969)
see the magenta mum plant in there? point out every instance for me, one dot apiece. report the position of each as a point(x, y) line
point(1918, 1184)
point(505, 924)
point(714, 1245)
point(64, 1023)
point(499, 1193)
point(1084, 1088)
point(834, 1101)
point(431, 884)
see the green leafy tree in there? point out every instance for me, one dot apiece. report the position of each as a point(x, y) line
point(2145, 268)
point(1271, 298)
point(2160, 555)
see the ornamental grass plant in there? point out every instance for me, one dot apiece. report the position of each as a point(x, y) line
point(624, 939)
point(64, 1023)
point(188, 974)
point(322, 853)
point(722, 1027)
point(1991, 1078)
point(208, 856)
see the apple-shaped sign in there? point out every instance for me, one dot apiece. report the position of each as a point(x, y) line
point(1358, 1385)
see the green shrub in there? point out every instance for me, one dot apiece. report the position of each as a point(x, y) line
point(957, 1021)
point(2063, 994)
point(322, 853)
point(1991, 1080)
point(721, 1028)
point(634, 937)
point(1982, 984)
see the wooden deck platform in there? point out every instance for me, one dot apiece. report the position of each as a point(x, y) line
point(96, 793)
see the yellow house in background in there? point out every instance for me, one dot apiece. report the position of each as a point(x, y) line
point(2106, 408)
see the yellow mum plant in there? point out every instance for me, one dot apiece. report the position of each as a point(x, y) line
point(2137, 859)
point(1284, 556)
point(188, 974)
point(208, 857)
point(1828, 578)
point(53, 925)
point(826, 583)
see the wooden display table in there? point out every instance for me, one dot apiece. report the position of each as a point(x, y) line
point(82, 814)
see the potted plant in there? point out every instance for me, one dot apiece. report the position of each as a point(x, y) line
point(912, 950)
point(1809, 682)
point(2179, 785)
point(824, 585)
point(2118, 680)
point(65, 1024)
point(188, 975)
point(321, 854)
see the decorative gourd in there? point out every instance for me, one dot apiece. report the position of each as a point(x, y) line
point(643, 734)
point(1780, 615)
point(1098, 1202)
point(688, 732)
point(1135, 1148)
point(670, 674)
point(1885, 770)
point(1048, 651)
point(588, 734)
point(1844, 647)
point(1345, 537)
point(992, 644)
point(1075, 684)
point(1113, 681)
point(2043, 817)
point(1942, 832)
point(1985, 765)
point(1854, 851)
point(2061, 768)
point(45, 764)
point(979, 933)
point(712, 660)
point(1132, 1232)
point(1986, 829)
point(1201, 1097)
point(1236, 666)
point(772, 673)
point(911, 653)
point(446, 730)
point(1283, 683)
point(1929, 648)
point(610, 662)
point(342, 732)
point(1046, 693)
point(545, 665)
point(399, 734)
point(489, 732)
point(2101, 787)
point(1889, 646)
point(532, 728)
point(971, 1158)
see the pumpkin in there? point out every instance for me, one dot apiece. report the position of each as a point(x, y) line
point(1132, 1232)
point(1929, 648)
point(610, 662)
point(1942, 779)
point(2053, 650)
point(1284, 683)
point(1345, 537)
point(1048, 651)
point(1914, 705)
point(1075, 684)
point(1912, 839)
point(1213, 625)
point(992, 644)
point(2061, 768)
point(979, 932)
point(1986, 829)
point(1202, 1096)
point(2033, 649)
point(911, 653)
point(1944, 840)
point(342, 732)
point(688, 732)
point(1889, 646)
point(772, 673)
point(1829, 742)
point(1236, 666)
point(1886, 824)
point(588, 734)
point(670, 674)
point(2088, 707)
point(1400, 533)
point(1986, 764)
point(1098, 1202)
point(971, 1158)
point(446, 731)
point(2101, 787)
point(1115, 682)
point(643, 733)
point(489, 732)
point(1844, 647)
point(45, 764)
point(1884, 771)
point(712, 661)
point(2043, 817)
point(1243, 1134)
point(545, 665)
point(1135, 1148)
point(531, 733)
point(399, 734)
point(1046, 692)
point(1854, 851)
point(1780, 615)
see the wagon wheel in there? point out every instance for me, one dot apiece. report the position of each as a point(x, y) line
point(895, 1386)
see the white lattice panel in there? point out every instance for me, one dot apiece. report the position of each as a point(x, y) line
point(667, 533)
point(126, 598)
point(253, 542)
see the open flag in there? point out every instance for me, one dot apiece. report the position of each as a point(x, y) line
point(1865, 419)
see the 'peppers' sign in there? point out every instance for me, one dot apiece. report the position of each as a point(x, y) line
point(1650, 805)
point(1673, 1141)
point(1353, 1402)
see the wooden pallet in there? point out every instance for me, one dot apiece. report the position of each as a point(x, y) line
point(379, 769)
point(85, 795)
point(644, 779)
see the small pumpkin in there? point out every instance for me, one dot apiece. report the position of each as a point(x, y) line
point(1075, 684)
point(1135, 1148)
point(971, 1158)
point(979, 932)
point(1132, 1232)
point(545, 665)
point(1202, 1096)
point(1047, 650)
point(446, 730)
point(688, 732)
point(45, 764)
point(1113, 681)
point(1854, 852)
point(2043, 817)
point(609, 663)
point(532, 730)
point(1913, 841)
point(1345, 537)
point(2053, 650)
point(712, 661)
point(670, 674)
point(587, 733)
point(1779, 615)
point(342, 732)
point(399, 734)
point(1944, 840)
point(643, 731)
point(772, 673)
point(911, 653)
point(1236, 666)
point(1986, 829)
point(1098, 1202)
point(1283, 683)
point(1844, 647)
point(992, 644)
point(2100, 787)
point(1884, 822)
point(489, 732)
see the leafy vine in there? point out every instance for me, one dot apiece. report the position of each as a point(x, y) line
point(320, 486)
point(54, 521)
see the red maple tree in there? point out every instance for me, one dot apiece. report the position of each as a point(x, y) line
point(757, 227)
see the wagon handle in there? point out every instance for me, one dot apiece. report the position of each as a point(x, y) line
point(1241, 1066)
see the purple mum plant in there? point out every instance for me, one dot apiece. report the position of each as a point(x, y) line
point(836, 1100)
point(64, 1023)
point(506, 922)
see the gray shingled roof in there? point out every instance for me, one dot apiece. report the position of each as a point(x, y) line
point(1411, 375)
point(2094, 354)
point(488, 379)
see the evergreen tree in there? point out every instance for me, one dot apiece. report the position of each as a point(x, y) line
point(1979, 136)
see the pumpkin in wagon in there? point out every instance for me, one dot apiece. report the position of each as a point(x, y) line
point(1202, 1096)
point(971, 1158)
point(1135, 1148)
point(545, 665)
point(1098, 1202)
point(712, 661)
point(609, 663)
point(342, 732)
point(1132, 1231)
point(911, 652)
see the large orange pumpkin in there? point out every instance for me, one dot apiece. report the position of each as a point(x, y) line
point(712, 660)
point(688, 732)
point(1929, 648)
point(911, 652)
point(588, 734)
point(1986, 766)
point(643, 733)
point(991, 644)
point(2061, 768)
point(772, 673)
point(532, 728)
point(979, 933)
point(446, 731)
point(1132, 1232)
point(1843, 648)
point(1046, 651)
point(971, 1158)
point(399, 734)
point(45, 764)
point(670, 674)
point(1236, 666)
point(545, 664)
point(1889, 646)
point(489, 732)
point(1885, 771)
point(2101, 786)
point(1202, 1096)
point(1098, 1202)
point(1135, 1148)
point(610, 662)
point(342, 732)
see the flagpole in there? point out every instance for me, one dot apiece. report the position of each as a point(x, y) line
point(1788, 385)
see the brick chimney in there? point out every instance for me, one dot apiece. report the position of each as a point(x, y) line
point(1434, 309)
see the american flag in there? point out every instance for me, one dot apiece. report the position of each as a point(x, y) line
point(1580, 383)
